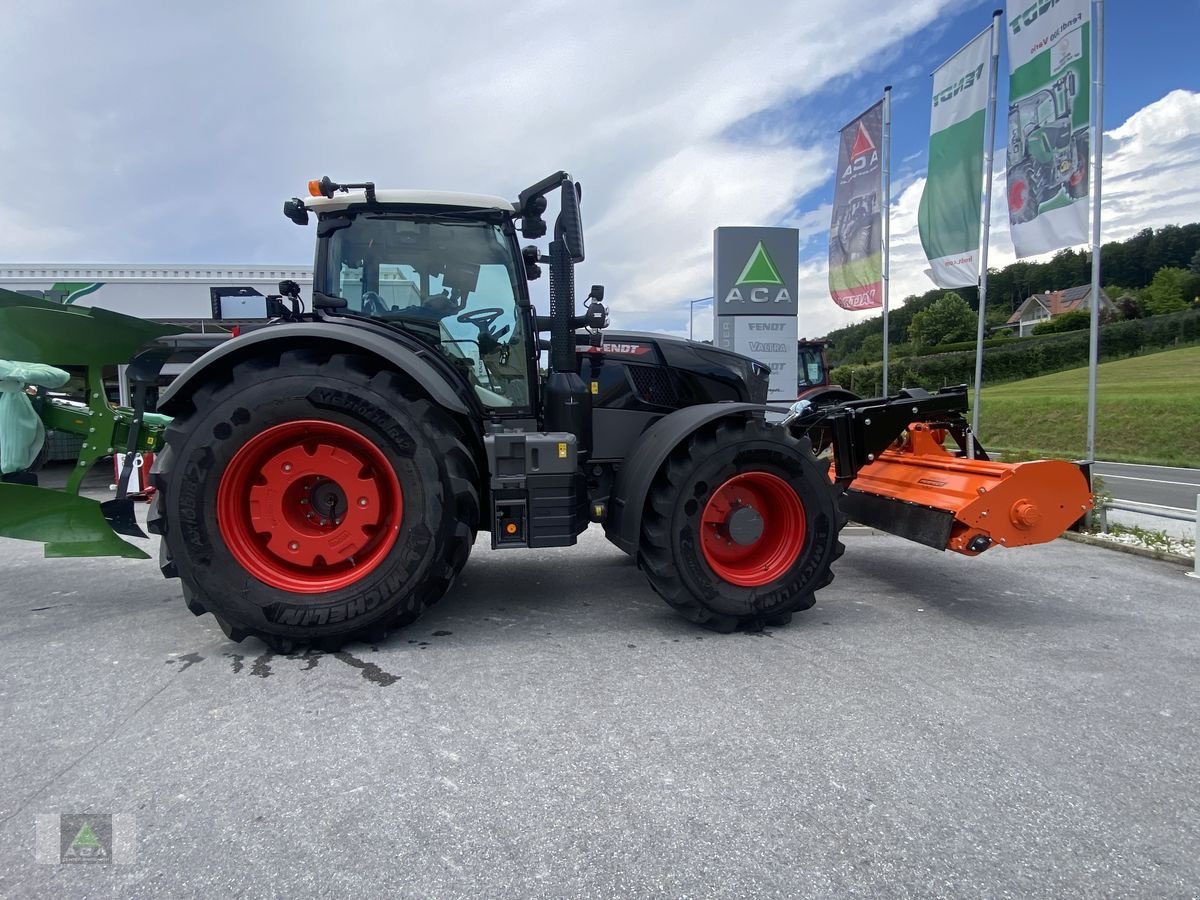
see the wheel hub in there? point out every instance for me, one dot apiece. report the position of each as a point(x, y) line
point(744, 525)
point(328, 502)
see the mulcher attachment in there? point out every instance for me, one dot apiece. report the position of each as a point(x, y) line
point(899, 477)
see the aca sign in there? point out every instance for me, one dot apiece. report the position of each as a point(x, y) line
point(755, 271)
point(755, 285)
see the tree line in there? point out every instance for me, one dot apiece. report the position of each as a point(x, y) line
point(1155, 272)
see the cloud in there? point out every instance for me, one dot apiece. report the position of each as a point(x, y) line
point(163, 132)
point(172, 133)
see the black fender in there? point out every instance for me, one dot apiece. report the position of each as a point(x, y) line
point(421, 365)
point(623, 523)
point(825, 394)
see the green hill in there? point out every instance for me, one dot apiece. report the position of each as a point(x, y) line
point(1147, 410)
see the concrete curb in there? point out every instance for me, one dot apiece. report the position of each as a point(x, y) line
point(1143, 552)
point(853, 530)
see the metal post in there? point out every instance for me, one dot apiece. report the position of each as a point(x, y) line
point(887, 216)
point(1097, 155)
point(1195, 573)
point(987, 216)
point(692, 318)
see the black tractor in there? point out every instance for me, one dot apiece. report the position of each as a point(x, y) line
point(324, 477)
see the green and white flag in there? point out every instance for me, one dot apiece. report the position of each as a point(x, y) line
point(949, 215)
point(1049, 56)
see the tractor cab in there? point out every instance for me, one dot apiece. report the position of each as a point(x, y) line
point(443, 267)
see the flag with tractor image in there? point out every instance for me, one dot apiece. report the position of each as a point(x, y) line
point(855, 254)
point(1049, 56)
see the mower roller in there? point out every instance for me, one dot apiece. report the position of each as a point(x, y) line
point(323, 478)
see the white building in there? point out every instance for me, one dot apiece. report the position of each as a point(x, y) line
point(188, 293)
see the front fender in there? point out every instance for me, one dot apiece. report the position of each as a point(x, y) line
point(623, 523)
point(417, 364)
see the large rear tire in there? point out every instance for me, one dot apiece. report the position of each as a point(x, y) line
point(312, 499)
point(741, 526)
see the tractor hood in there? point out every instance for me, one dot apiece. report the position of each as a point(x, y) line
point(697, 372)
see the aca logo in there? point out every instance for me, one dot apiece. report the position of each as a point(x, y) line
point(864, 156)
point(760, 277)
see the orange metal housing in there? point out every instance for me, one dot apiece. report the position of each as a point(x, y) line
point(1011, 504)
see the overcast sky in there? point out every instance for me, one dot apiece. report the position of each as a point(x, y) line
point(159, 132)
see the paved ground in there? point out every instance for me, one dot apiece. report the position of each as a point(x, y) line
point(1022, 724)
point(1159, 485)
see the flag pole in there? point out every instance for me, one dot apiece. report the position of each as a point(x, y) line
point(887, 215)
point(1097, 155)
point(987, 215)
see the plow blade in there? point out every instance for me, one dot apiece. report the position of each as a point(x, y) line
point(920, 491)
point(34, 330)
point(40, 331)
point(69, 525)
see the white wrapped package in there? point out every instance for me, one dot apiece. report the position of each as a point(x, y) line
point(21, 431)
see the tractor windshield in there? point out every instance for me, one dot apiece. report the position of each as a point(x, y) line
point(449, 281)
point(812, 367)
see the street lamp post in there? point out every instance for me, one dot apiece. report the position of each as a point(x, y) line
point(692, 316)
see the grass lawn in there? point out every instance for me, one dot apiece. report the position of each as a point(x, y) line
point(1147, 410)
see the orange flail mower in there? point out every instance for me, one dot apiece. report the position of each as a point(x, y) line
point(920, 490)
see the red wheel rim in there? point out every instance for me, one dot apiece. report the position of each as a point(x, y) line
point(309, 506)
point(752, 529)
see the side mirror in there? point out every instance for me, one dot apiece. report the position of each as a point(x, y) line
point(570, 225)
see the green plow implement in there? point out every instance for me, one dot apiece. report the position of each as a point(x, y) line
point(41, 331)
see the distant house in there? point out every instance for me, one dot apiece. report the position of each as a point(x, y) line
point(1051, 304)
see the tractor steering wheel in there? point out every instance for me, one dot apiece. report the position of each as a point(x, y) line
point(481, 318)
point(373, 305)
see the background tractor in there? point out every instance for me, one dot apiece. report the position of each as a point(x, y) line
point(1047, 156)
point(323, 478)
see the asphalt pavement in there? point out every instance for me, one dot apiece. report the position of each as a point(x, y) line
point(1156, 485)
point(1021, 724)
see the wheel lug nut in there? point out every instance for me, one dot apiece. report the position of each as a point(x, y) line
point(362, 501)
point(294, 546)
point(287, 467)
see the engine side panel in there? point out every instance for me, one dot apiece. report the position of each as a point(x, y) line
point(636, 379)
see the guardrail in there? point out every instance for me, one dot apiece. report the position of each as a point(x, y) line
point(1162, 512)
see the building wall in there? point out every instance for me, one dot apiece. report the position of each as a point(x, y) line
point(147, 291)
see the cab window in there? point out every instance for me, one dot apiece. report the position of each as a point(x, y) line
point(450, 282)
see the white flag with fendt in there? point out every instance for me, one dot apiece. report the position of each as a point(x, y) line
point(948, 217)
point(1049, 58)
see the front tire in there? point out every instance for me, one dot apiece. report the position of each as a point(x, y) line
point(741, 526)
point(311, 499)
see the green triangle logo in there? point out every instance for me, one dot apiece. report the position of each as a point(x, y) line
point(86, 838)
point(759, 268)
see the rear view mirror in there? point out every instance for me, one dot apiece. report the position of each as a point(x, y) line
point(570, 224)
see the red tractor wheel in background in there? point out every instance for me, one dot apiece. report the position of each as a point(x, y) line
point(313, 499)
point(741, 526)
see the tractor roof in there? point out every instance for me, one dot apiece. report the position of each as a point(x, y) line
point(410, 198)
